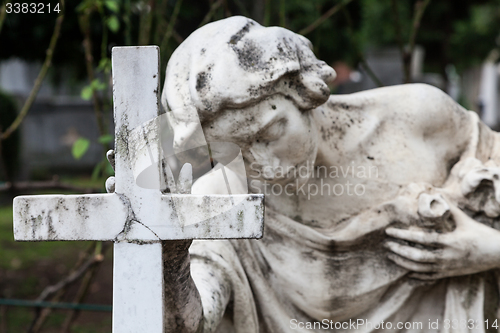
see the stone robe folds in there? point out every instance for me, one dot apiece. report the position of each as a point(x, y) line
point(301, 279)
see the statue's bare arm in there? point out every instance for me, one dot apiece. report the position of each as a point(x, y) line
point(196, 292)
point(183, 309)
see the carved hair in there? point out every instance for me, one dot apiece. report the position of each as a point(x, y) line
point(235, 63)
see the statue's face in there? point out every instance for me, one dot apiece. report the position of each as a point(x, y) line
point(275, 137)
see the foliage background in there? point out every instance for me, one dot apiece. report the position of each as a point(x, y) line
point(458, 32)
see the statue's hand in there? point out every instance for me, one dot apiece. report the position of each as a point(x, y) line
point(110, 182)
point(472, 247)
point(481, 186)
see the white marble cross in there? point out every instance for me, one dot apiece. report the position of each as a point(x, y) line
point(134, 218)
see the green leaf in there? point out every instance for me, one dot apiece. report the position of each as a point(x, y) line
point(96, 84)
point(87, 92)
point(109, 170)
point(104, 65)
point(82, 6)
point(87, 5)
point(97, 171)
point(113, 23)
point(112, 6)
point(80, 147)
point(106, 138)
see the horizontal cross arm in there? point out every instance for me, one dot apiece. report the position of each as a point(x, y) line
point(68, 217)
point(110, 217)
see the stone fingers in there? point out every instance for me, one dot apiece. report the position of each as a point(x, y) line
point(185, 179)
point(184, 182)
point(416, 236)
point(412, 253)
point(111, 181)
point(110, 184)
point(411, 265)
point(110, 155)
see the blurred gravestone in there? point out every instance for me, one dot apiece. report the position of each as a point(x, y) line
point(57, 118)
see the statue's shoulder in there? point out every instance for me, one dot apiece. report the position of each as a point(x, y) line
point(403, 99)
point(421, 107)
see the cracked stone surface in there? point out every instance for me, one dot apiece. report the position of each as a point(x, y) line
point(110, 217)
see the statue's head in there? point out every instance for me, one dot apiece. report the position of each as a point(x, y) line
point(250, 85)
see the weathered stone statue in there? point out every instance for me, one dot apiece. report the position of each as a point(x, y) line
point(382, 207)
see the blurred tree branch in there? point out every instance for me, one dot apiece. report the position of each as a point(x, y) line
point(161, 22)
point(359, 52)
point(146, 21)
point(243, 9)
point(127, 13)
point(41, 75)
point(399, 35)
point(84, 22)
point(178, 38)
point(420, 7)
point(267, 13)
point(211, 12)
point(3, 13)
point(324, 17)
point(92, 257)
point(170, 28)
point(97, 258)
point(282, 13)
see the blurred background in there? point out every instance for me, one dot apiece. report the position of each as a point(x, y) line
point(56, 107)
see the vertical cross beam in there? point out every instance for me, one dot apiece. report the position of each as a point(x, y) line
point(138, 268)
